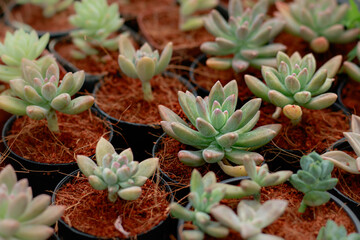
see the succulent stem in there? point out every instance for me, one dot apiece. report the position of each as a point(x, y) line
point(277, 113)
point(52, 121)
point(146, 87)
point(302, 207)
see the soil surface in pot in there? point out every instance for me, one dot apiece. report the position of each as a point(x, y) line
point(294, 43)
point(162, 26)
point(105, 62)
point(32, 15)
point(134, 8)
point(176, 170)
point(351, 96)
point(349, 184)
point(122, 98)
point(317, 131)
point(79, 134)
point(293, 225)
point(206, 77)
point(90, 211)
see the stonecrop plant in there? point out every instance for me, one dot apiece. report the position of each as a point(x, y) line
point(96, 22)
point(351, 68)
point(118, 173)
point(295, 84)
point(318, 22)
point(334, 232)
point(143, 63)
point(188, 8)
point(246, 36)
point(39, 95)
point(50, 7)
point(314, 179)
point(19, 45)
point(251, 217)
point(23, 217)
point(205, 194)
point(222, 132)
point(342, 159)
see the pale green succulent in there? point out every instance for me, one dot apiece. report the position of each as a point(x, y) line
point(50, 7)
point(352, 69)
point(342, 159)
point(251, 217)
point(205, 194)
point(23, 217)
point(118, 173)
point(334, 232)
point(314, 179)
point(39, 95)
point(221, 132)
point(143, 63)
point(96, 22)
point(318, 22)
point(188, 19)
point(246, 36)
point(17, 46)
point(295, 84)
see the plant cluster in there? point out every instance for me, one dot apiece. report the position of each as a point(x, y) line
point(334, 232)
point(143, 63)
point(246, 36)
point(221, 130)
point(118, 173)
point(39, 93)
point(23, 217)
point(295, 84)
point(317, 22)
point(351, 68)
point(97, 22)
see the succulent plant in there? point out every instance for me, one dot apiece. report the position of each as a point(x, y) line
point(251, 217)
point(17, 46)
point(205, 194)
point(314, 179)
point(39, 95)
point(50, 7)
point(245, 36)
point(317, 22)
point(96, 21)
point(189, 21)
point(295, 84)
point(143, 63)
point(118, 173)
point(342, 159)
point(23, 217)
point(352, 69)
point(334, 232)
point(221, 132)
point(352, 18)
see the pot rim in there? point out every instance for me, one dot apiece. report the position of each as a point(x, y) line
point(10, 121)
point(74, 230)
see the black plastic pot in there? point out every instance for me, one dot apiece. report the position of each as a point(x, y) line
point(10, 23)
point(235, 181)
point(343, 80)
point(90, 79)
point(343, 145)
point(160, 231)
point(42, 177)
point(140, 137)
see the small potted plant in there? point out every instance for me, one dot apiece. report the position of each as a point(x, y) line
point(299, 91)
point(25, 217)
point(93, 45)
point(48, 145)
point(241, 43)
point(130, 196)
point(136, 114)
point(41, 15)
